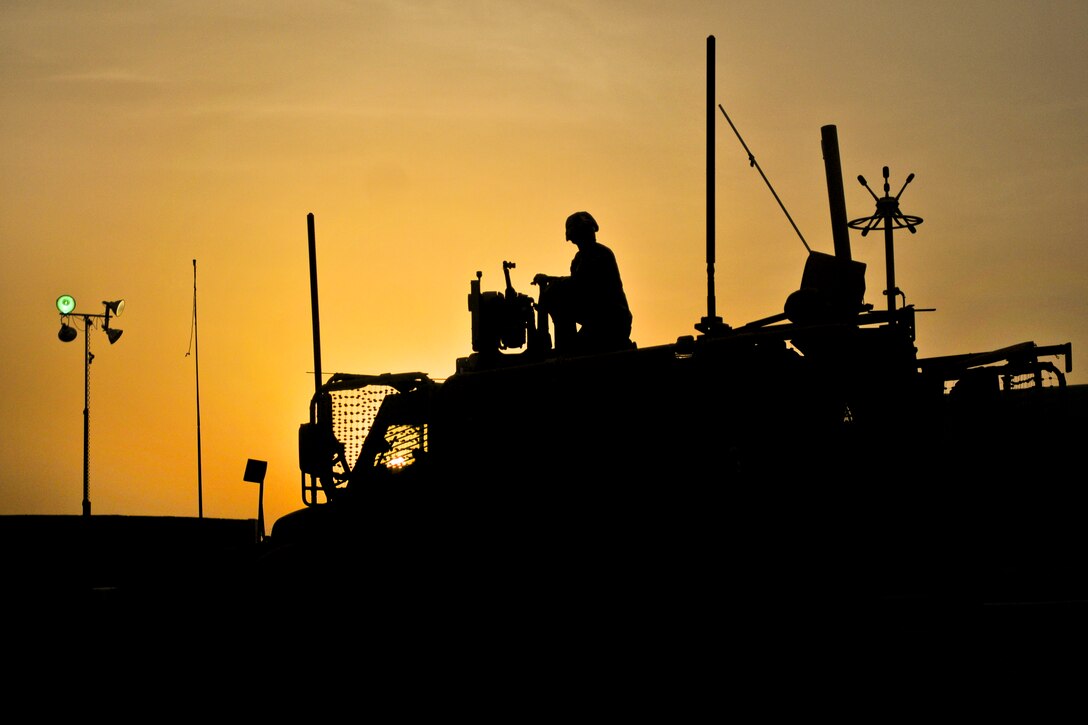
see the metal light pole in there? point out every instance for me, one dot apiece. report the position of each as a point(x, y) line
point(66, 306)
point(87, 415)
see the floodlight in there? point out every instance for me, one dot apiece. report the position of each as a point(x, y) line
point(67, 333)
point(66, 303)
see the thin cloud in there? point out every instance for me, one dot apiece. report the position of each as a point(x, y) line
point(112, 76)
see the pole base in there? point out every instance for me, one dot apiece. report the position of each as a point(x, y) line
point(712, 326)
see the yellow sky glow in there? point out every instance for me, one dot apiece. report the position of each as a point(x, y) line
point(434, 139)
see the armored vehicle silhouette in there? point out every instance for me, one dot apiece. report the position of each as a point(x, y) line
point(804, 474)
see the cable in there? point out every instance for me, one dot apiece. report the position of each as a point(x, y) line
point(752, 161)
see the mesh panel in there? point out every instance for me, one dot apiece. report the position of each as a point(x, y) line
point(403, 441)
point(353, 413)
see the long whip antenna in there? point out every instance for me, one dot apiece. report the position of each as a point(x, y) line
point(711, 324)
point(194, 347)
point(752, 161)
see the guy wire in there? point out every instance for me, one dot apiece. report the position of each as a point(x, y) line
point(752, 161)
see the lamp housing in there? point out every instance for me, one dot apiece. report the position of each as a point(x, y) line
point(65, 304)
point(67, 332)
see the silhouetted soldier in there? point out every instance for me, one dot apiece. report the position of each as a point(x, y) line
point(589, 308)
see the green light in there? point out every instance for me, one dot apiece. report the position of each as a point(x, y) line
point(66, 303)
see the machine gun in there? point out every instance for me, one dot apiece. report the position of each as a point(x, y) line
point(506, 320)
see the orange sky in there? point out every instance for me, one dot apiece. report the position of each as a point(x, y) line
point(435, 139)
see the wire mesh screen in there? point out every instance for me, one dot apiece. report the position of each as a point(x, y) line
point(404, 441)
point(353, 413)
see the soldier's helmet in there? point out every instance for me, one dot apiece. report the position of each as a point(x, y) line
point(581, 224)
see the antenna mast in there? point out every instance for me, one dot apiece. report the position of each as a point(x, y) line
point(313, 302)
point(887, 217)
point(711, 324)
point(199, 463)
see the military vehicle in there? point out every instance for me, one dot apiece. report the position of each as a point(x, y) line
point(807, 474)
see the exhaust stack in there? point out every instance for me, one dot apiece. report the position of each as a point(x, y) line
point(840, 231)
